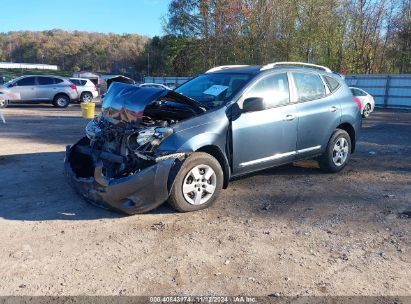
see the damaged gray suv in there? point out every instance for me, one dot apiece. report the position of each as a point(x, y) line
point(154, 145)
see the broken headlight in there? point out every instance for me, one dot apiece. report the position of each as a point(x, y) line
point(150, 137)
point(93, 129)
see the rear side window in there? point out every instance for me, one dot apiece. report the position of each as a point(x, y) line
point(83, 82)
point(58, 80)
point(273, 88)
point(28, 81)
point(45, 80)
point(75, 81)
point(332, 83)
point(357, 92)
point(309, 86)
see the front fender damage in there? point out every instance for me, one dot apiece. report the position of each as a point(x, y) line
point(139, 192)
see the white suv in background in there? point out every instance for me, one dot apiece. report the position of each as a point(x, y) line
point(86, 89)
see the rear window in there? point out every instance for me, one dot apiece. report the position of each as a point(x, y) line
point(357, 92)
point(45, 80)
point(309, 86)
point(78, 82)
point(332, 83)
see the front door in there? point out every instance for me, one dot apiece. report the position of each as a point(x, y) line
point(268, 137)
point(26, 88)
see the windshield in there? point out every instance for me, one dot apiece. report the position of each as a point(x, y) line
point(8, 84)
point(213, 90)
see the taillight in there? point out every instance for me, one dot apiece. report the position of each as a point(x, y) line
point(73, 87)
point(358, 102)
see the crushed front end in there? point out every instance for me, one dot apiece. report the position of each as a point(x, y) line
point(118, 164)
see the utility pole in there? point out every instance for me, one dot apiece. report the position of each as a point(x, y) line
point(148, 62)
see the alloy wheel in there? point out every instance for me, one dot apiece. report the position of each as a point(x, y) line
point(87, 97)
point(61, 101)
point(199, 185)
point(340, 151)
point(367, 110)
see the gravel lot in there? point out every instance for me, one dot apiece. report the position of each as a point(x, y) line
point(291, 230)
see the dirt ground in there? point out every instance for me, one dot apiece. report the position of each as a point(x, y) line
point(291, 230)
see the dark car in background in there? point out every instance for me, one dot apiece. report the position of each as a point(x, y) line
point(152, 145)
point(40, 88)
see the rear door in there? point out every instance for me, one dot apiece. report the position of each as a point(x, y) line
point(266, 138)
point(26, 88)
point(319, 113)
point(46, 89)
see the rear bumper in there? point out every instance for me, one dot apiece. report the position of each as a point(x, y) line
point(137, 193)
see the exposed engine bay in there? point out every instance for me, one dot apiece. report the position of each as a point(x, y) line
point(133, 123)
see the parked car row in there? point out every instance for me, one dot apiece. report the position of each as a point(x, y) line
point(59, 91)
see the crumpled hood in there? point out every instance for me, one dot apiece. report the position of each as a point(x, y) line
point(127, 103)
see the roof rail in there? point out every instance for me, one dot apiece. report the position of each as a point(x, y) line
point(223, 67)
point(303, 64)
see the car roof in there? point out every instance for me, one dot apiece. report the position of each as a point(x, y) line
point(79, 78)
point(55, 76)
point(257, 69)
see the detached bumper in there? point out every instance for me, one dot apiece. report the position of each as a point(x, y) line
point(138, 193)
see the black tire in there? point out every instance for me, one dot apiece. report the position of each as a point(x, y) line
point(177, 198)
point(86, 97)
point(61, 101)
point(326, 161)
point(3, 103)
point(366, 112)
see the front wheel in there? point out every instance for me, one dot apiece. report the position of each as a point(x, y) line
point(3, 103)
point(337, 154)
point(197, 184)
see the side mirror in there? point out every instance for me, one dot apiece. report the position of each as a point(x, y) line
point(253, 104)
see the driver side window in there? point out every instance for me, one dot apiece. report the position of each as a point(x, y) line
point(273, 89)
point(27, 81)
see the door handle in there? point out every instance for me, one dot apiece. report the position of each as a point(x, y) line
point(332, 109)
point(289, 117)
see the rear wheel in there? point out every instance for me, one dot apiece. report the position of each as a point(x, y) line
point(61, 101)
point(367, 110)
point(197, 184)
point(337, 154)
point(86, 97)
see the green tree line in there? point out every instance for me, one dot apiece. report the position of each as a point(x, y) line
point(74, 51)
point(349, 36)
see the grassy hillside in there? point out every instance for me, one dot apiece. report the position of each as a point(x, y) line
point(13, 73)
